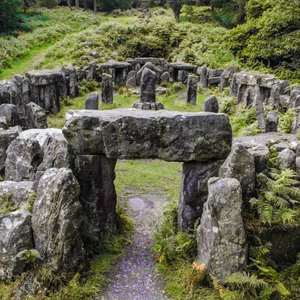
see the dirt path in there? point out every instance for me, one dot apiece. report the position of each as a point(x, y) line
point(135, 276)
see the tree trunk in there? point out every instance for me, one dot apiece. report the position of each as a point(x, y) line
point(85, 5)
point(69, 5)
point(77, 4)
point(95, 7)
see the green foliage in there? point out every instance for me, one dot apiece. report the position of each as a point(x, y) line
point(270, 37)
point(278, 201)
point(286, 120)
point(6, 205)
point(9, 14)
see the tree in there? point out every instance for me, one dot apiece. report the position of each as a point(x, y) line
point(9, 14)
point(85, 5)
point(77, 4)
point(95, 7)
point(69, 4)
point(176, 6)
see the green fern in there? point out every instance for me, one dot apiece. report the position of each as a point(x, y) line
point(278, 198)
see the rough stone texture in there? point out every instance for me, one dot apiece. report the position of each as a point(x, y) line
point(107, 96)
point(151, 67)
point(31, 149)
point(165, 77)
point(148, 93)
point(261, 156)
point(131, 79)
point(203, 77)
point(221, 235)
point(226, 76)
point(211, 104)
point(56, 220)
point(272, 121)
point(6, 137)
point(36, 116)
point(287, 159)
point(3, 123)
point(9, 111)
point(191, 89)
point(71, 81)
point(15, 236)
point(167, 135)
point(285, 102)
point(297, 101)
point(193, 191)
point(240, 165)
point(95, 174)
point(294, 95)
point(259, 108)
point(91, 71)
point(17, 193)
point(148, 105)
point(284, 87)
point(92, 101)
point(182, 76)
point(274, 99)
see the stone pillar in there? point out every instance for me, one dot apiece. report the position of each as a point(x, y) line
point(193, 191)
point(107, 96)
point(92, 101)
point(211, 104)
point(221, 234)
point(272, 122)
point(95, 174)
point(259, 108)
point(191, 90)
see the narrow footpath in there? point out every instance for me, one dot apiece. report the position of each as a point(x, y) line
point(134, 276)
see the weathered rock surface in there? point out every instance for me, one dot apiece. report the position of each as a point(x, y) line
point(259, 107)
point(92, 101)
point(36, 116)
point(15, 236)
point(16, 193)
point(211, 104)
point(165, 77)
point(193, 191)
point(91, 71)
point(261, 156)
point(131, 79)
point(6, 137)
point(32, 148)
point(221, 235)
point(56, 220)
point(107, 96)
point(95, 174)
point(148, 93)
point(202, 72)
point(240, 165)
point(9, 111)
point(272, 121)
point(191, 90)
point(167, 135)
point(71, 81)
point(287, 159)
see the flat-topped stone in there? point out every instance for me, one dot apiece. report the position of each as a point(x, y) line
point(116, 64)
point(136, 134)
point(45, 77)
point(252, 79)
point(182, 65)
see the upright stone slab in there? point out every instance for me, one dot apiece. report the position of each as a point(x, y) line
point(240, 165)
point(36, 116)
point(56, 220)
point(148, 93)
point(259, 108)
point(107, 96)
point(71, 79)
point(211, 104)
point(221, 235)
point(92, 101)
point(131, 79)
point(10, 113)
point(272, 122)
point(203, 77)
point(91, 71)
point(191, 90)
point(137, 134)
point(287, 159)
point(193, 191)
point(15, 236)
point(95, 174)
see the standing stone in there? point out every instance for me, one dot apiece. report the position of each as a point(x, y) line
point(15, 236)
point(221, 234)
point(148, 93)
point(259, 108)
point(9, 111)
point(95, 174)
point(3, 123)
point(131, 79)
point(182, 76)
point(91, 71)
point(92, 101)
point(36, 116)
point(272, 122)
point(211, 104)
point(56, 220)
point(193, 191)
point(165, 77)
point(261, 156)
point(286, 159)
point(107, 96)
point(294, 95)
point(284, 87)
point(191, 90)
point(226, 76)
point(72, 82)
point(240, 165)
point(203, 77)
point(297, 102)
point(274, 97)
point(6, 137)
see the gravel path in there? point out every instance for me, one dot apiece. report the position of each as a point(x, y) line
point(135, 276)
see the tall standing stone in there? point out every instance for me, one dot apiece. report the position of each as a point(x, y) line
point(131, 79)
point(92, 101)
point(107, 96)
point(56, 220)
point(259, 108)
point(203, 77)
point(272, 122)
point(221, 234)
point(148, 93)
point(193, 191)
point(91, 71)
point(191, 90)
point(95, 174)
